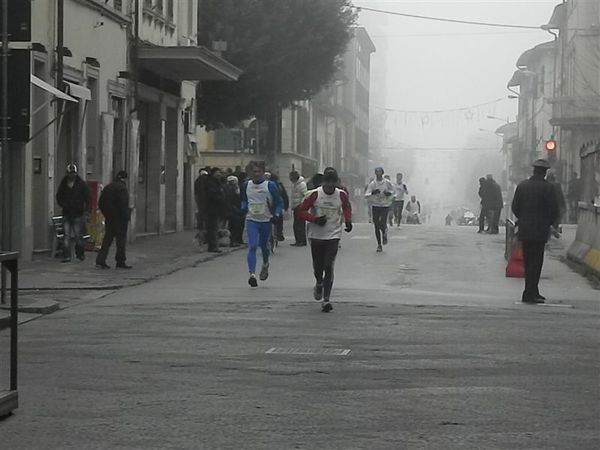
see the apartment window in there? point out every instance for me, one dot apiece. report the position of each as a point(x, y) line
point(118, 5)
point(159, 6)
point(170, 9)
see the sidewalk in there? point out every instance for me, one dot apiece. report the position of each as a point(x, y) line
point(45, 282)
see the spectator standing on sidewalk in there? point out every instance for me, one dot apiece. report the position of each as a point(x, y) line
point(235, 217)
point(299, 191)
point(573, 196)
point(114, 205)
point(536, 208)
point(286, 205)
point(560, 198)
point(200, 197)
point(485, 196)
point(496, 204)
point(73, 196)
point(215, 208)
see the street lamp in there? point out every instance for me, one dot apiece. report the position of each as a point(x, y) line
point(499, 118)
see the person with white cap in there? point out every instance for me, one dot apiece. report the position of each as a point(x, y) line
point(235, 216)
point(536, 208)
point(73, 196)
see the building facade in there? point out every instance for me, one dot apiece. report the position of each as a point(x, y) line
point(127, 102)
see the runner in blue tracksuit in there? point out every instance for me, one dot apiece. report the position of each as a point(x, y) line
point(262, 203)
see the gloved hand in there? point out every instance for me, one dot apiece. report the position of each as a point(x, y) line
point(275, 220)
point(348, 228)
point(375, 192)
point(321, 221)
point(387, 194)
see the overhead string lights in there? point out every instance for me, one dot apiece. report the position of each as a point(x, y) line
point(455, 117)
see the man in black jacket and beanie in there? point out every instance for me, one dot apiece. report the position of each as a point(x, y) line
point(114, 205)
point(536, 208)
point(73, 196)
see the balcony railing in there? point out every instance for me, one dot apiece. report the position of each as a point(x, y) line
point(571, 112)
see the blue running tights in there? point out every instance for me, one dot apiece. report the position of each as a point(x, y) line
point(258, 236)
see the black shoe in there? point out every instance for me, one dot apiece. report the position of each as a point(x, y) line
point(252, 281)
point(214, 250)
point(379, 249)
point(540, 297)
point(234, 245)
point(479, 231)
point(102, 266)
point(532, 301)
point(318, 292)
point(326, 307)
point(123, 266)
point(280, 238)
point(81, 257)
point(384, 238)
point(298, 244)
point(65, 260)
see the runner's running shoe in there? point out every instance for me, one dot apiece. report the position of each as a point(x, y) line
point(264, 272)
point(326, 306)
point(252, 281)
point(318, 292)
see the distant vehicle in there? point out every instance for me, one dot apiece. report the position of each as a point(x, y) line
point(467, 218)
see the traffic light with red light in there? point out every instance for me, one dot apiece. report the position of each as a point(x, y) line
point(550, 146)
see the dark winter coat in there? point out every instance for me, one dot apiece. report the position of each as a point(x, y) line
point(216, 204)
point(495, 192)
point(536, 208)
point(200, 192)
point(74, 201)
point(233, 199)
point(485, 193)
point(114, 202)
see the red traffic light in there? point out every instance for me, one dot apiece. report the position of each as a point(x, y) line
point(550, 145)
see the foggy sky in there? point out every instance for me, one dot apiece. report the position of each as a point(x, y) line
point(430, 65)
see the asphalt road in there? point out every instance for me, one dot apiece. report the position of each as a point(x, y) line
point(425, 349)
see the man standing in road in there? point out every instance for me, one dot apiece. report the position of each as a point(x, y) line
point(326, 209)
point(114, 205)
point(536, 208)
point(299, 191)
point(262, 203)
point(398, 205)
point(380, 192)
point(496, 204)
point(485, 196)
point(74, 197)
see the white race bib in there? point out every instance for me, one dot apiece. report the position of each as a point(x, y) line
point(257, 209)
point(332, 214)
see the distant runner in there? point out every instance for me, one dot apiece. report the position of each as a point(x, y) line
point(262, 203)
point(380, 192)
point(326, 209)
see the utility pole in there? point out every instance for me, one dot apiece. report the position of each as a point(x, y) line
point(5, 201)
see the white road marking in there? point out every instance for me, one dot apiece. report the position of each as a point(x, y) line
point(308, 351)
point(549, 305)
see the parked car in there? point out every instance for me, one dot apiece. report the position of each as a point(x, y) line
point(467, 218)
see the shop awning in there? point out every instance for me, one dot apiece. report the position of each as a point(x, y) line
point(80, 92)
point(51, 89)
point(187, 63)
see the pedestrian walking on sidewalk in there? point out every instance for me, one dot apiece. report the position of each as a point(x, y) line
point(326, 209)
point(390, 219)
point(536, 208)
point(262, 204)
point(299, 191)
point(286, 205)
point(114, 205)
point(73, 196)
point(200, 197)
point(380, 192)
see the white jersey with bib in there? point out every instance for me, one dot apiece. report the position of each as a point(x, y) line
point(260, 201)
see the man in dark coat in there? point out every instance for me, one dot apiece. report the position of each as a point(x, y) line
point(496, 204)
point(200, 197)
point(536, 208)
point(114, 205)
point(73, 196)
point(485, 195)
point(235, 216)
point(215, 208)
